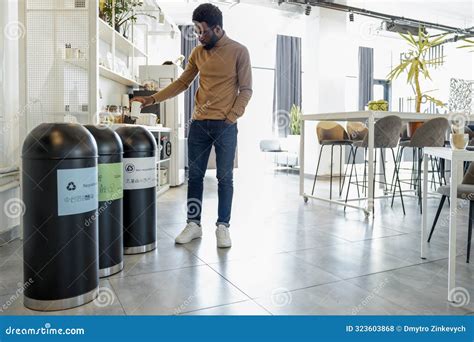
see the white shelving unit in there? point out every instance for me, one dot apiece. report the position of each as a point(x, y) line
point(104, 72)
point(119, 44)
point(112, 75)
point(51, 89)
point(108, 34)
point(158, 132)
point(54, 86)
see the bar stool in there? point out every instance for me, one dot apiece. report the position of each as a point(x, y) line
point(357, 131)
point(431, 134)
point(331, 133)
point(466, 192)
point(386, 135)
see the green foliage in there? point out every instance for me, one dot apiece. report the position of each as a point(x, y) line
point(416, 64)
point(470, 44)
point(125, 10)
point(295, 120)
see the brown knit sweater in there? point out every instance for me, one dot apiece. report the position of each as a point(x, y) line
point(225, 81)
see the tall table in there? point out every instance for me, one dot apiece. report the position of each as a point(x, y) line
point(370, 117)
point(457, 158)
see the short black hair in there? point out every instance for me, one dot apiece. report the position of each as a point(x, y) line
point(209, 14)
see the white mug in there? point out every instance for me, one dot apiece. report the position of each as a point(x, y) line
point(136, 109)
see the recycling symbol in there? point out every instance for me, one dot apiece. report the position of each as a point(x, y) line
point(129, 168)
point(71, 186)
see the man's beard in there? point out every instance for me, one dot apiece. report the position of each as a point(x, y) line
point(212, 42)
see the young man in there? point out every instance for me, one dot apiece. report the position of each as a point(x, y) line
point(225, 88)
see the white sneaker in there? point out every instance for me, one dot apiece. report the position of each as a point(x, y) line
point(223, 237)
point(190, 232)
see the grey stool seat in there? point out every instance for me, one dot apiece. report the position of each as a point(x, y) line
point(405, 143)
point(431, 134)
point(465, 191)
point(336, 142)
point(386, 135)
point(331, 134)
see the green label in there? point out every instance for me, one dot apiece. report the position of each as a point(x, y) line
point(110, 182)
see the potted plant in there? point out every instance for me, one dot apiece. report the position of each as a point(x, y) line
point(293, 139)
point(417, 64)
point(126, 12)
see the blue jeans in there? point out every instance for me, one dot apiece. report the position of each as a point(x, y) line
point(203, 134)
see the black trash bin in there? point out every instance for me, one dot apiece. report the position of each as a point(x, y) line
point(139, 177)
point(110, 168)
point(59, 185)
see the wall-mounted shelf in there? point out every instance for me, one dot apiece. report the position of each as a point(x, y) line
point(81, 63)
point(112, 75)
point(105, 72)
point(158, 129)
point(106, 33)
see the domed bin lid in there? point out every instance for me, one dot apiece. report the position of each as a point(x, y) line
point(59, 141)
point(108, 142)
point(136, 139)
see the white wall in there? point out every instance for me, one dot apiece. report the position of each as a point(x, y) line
point(162, 48)
point(329, 42)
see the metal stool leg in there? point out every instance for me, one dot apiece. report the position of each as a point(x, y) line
point(469, 234)
point(397, 180)
point(440, 207)
point(398, 162)
point(345, 171)
point(317, 168)
point(330, 180)
point(340, 168)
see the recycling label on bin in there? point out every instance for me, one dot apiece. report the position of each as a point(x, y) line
point(110, 181)
point(77, 191)
point(139, 173)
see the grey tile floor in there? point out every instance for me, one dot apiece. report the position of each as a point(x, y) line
point(287, 258)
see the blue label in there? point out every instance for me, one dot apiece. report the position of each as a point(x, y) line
point(77, 191)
